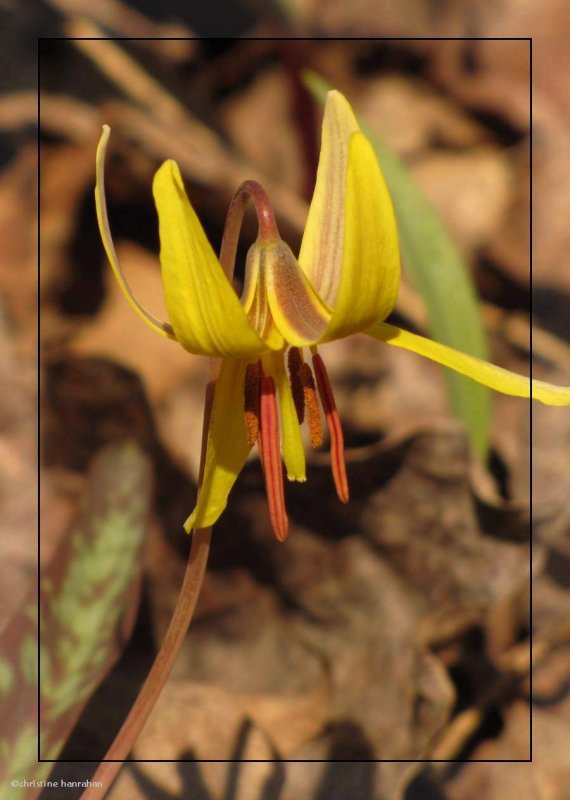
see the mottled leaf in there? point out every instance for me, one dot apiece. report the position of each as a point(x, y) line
point(87, 592)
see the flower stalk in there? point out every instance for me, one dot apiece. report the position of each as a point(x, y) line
point(345, 280)
point(197, 560)
point(160, 670)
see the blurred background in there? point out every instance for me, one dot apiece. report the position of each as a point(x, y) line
point(395, 628)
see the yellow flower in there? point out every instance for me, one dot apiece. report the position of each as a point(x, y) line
point(344, 281)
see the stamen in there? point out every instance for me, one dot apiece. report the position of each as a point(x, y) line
point(270, 451)
point(312, 406)
point(252, 388)
point(294, 364)
point(335, 429)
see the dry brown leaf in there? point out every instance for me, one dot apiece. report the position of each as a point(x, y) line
point(18, 272)
point(411, 116)
point(172, 41)
point(546, 778)
point(214, 717)
point(260, 123)
point(470, 191)
point(67, 175)
point(18, 474)
point(117, 332)
point(437, 543)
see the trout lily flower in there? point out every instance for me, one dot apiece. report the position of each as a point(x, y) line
point(344, 281)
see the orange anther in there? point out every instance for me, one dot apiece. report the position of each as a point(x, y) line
point(312, 406)
point(252, 388)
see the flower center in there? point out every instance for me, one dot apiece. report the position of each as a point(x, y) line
point(262, 425)
point(279, 301)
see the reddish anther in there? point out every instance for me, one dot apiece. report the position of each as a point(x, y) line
point(335, 429)
point(270, 451)
point(294, 363)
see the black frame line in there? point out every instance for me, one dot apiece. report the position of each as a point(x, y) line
point(528, 39)
point(289, 38)
point(530, 549)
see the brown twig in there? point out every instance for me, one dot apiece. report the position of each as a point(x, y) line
point(173, 41)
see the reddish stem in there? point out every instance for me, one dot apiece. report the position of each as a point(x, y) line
point(181, 618)
point(196, 566)
point(160, 670)
point(265, 217)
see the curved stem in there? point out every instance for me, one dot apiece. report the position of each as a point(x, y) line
point(160, 670)
point(265, 218)
point(181, 618)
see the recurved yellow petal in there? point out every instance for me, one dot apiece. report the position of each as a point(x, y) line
point(204, 310)
point(495, 377)
point(350, 248)
point(105, 231)
point(227, 447)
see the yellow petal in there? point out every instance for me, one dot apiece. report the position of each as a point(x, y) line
point(320, 256)
point(350, 250)
point(105, 231)
point(371, 262)
point(292, 447)
point(495, 377)
point(227, 448)
point(204, 310)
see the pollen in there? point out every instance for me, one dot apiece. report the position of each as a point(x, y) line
point(252, 390)
point(312, 406)
point(294, 364)
point(335, 429)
